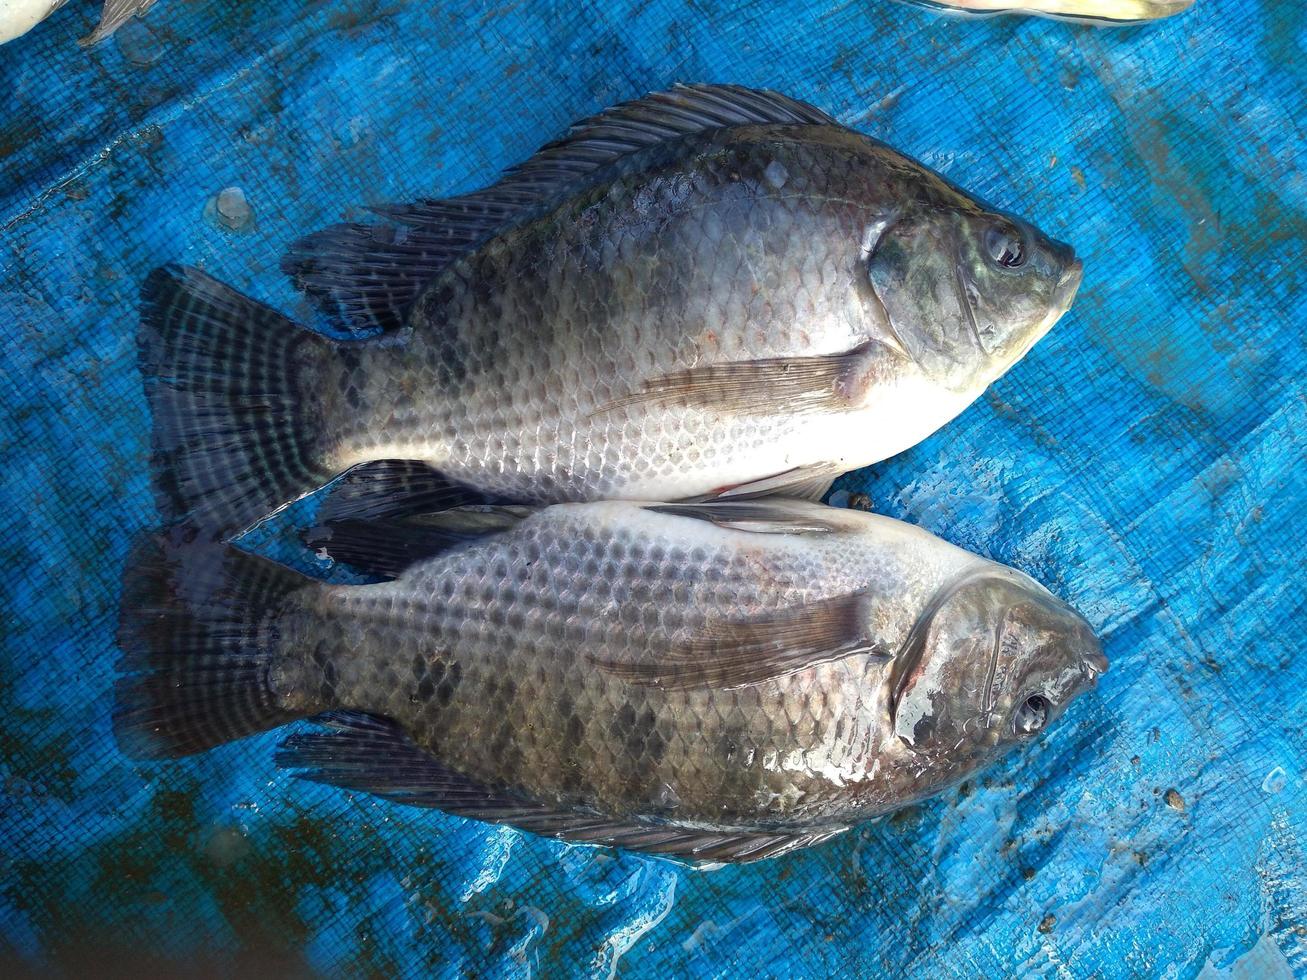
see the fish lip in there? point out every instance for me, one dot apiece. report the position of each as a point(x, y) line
point(1069, 284)
point(1094, 663)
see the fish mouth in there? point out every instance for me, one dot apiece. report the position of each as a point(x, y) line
point(1094, 662)
point(1063, 293)
point(1068, 285)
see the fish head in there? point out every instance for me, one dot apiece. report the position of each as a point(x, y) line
point(992, 662)
point(966, 291)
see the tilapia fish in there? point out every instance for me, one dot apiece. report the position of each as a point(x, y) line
point(721, 681)
point(1090, 11)
point(707, 291)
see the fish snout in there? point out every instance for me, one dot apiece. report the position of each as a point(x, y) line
point(1093, 662)
point(1069, 283)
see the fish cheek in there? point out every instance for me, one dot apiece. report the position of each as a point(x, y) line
point(941, 698)
point(915, 275)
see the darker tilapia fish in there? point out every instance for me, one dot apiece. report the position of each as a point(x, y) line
point(708, 291)
point(721, 681)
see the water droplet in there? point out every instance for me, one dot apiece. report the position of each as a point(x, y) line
point(1275, 780)
point(229, 210)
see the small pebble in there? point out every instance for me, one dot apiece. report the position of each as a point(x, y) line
point(1047, 923)
point(1174, 800)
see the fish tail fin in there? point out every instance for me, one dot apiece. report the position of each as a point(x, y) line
point(237, 429)
point(199, 635)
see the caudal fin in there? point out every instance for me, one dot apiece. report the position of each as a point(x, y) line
point(198, 634)
point(237, 434)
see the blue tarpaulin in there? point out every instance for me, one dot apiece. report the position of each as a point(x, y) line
point(1145, 461)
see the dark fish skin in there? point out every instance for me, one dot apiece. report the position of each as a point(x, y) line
point(691, 293)
point(613, 670)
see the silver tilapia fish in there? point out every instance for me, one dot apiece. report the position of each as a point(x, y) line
point(17, 17)
point(707, 291)
point(721, 681)
point(1087, 11)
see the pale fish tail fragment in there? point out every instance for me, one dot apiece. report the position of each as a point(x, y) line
point(113, 16)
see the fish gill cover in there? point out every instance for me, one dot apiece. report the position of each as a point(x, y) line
point(1144, 461)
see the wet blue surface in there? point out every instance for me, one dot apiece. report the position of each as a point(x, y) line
point(1145, 460)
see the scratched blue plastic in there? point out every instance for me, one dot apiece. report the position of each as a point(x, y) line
point(1146, 461)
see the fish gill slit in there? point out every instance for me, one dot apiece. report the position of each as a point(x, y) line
point(961, 285)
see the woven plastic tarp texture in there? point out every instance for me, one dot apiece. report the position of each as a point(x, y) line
point(1145, 460)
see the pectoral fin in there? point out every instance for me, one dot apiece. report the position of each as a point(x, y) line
point(727, 654)
point(798, 385)
point(808, 482)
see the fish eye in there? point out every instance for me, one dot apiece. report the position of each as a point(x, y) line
point(1005, 246)
point(1032, 716)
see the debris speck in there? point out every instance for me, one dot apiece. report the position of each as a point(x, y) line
point(1046, 924)
point(1174, 800)
point(226, 845)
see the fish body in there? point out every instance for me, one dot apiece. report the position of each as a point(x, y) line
point(720, 681)
point(1103, 12)
point(698, 293)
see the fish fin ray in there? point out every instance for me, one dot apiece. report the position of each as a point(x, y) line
point(808, 483)
point(195, 669)
point(235, 435)
point(113, 15)
point(727, 654)
point(592, 143)
point(387, 548)
point(769, 515)
point(804, 385)
point(372, 755)
point(387, 489)
point(367, 277)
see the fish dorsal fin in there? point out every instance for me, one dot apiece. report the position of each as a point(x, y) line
point(373, 755)
point(368, 276)
point(593, 143)
point(728, 653)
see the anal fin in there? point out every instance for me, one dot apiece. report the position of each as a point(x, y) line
point(373, 755)
point(389, 489)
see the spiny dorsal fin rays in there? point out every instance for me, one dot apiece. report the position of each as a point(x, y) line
point(368, 277)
